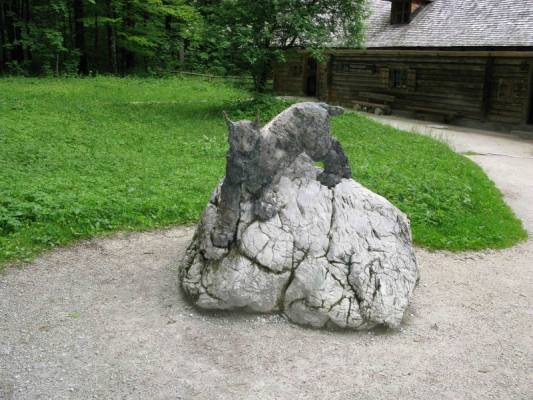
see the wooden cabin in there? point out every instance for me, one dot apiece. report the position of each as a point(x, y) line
point(466, 62)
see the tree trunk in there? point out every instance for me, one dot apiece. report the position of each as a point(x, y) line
point(112, 48)
point(96, 52)
point(3, 38)
point(79, 36)
point(260, 77)
point(70, 32)
point(128, 56)
point(170, 39)
point(260, 83)
point(17, 53)
point(27, 20)
point(182, 54)
point(111, 40)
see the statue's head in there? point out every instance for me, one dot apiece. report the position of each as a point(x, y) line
point(243, 135)
point(332, 110)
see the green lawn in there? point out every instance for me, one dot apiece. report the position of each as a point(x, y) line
point(82, 157)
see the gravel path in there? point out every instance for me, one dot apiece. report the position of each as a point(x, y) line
point(105, 320)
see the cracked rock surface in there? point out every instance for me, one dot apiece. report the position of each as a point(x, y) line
point(338, 256)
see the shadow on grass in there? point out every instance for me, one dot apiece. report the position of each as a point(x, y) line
point(246, 108)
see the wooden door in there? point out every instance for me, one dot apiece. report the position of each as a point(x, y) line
point(311, 77)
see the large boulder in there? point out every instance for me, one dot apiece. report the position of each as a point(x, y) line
point(310, 243)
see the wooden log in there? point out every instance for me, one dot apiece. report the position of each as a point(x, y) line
point(378, 96)
point(448, 115)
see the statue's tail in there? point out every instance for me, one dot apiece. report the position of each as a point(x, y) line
point(332, 110)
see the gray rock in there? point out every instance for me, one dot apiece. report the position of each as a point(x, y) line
point(7, 388)
point(281, 235)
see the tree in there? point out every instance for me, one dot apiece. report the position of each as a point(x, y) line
point(111, 38)
point(44, 33)
point(79, 35)
point(223, 36)
point(66, 36)
point(3, 37)
point(146, 35)
point(257, 33)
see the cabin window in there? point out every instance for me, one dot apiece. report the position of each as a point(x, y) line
point(401, 12)
point(398, 78)
point(342, 67)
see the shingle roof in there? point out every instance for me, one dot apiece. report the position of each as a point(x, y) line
point(454, 23)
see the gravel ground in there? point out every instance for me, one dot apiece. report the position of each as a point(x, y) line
point(105, 319)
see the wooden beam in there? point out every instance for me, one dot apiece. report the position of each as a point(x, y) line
point(430, 53)
point(331, 61)
point(487, 87)
point(529, 102)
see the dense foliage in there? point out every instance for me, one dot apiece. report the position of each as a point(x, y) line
point(124, 36)
point(82, 157)
point(79, 36)
point(255, 34)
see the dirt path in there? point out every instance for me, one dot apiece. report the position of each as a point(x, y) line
point(106, 320)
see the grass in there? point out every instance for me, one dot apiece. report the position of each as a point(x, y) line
point(450, 201)
point(84, 157)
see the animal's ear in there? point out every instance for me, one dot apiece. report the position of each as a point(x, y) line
point(229, 122)
point(257, 121)
point(332, 110)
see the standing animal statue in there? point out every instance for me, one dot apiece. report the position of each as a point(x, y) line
point(256, 156)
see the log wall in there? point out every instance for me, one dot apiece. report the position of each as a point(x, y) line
point(492, 87)
point(510, 91)
point(289, 77)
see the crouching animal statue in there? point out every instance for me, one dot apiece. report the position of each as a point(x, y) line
point(256, 156)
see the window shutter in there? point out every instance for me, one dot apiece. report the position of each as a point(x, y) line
point(411, 80)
